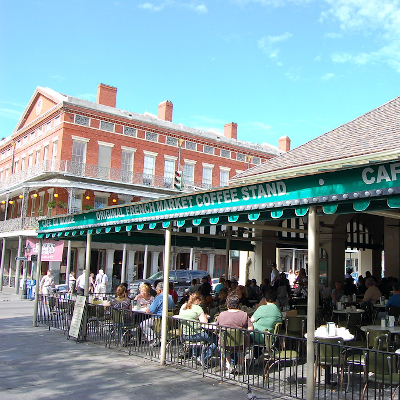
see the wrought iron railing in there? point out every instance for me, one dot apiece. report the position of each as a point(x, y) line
point(77, 169)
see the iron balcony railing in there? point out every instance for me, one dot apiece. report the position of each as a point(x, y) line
point(17, 224)
point(83, 170)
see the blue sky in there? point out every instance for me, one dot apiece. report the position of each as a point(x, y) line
point(276, 67)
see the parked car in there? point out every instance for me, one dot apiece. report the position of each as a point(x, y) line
point(180, 277)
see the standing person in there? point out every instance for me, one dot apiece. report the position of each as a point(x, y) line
point(155, 308)
point(101, 283)
point(46, 283)
point(80, 284)
point(274, 275)
point(91, 283)
point(71, 282)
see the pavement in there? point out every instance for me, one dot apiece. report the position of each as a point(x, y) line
point(36, 363)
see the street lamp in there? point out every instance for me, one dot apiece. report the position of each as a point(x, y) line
point(27, 250)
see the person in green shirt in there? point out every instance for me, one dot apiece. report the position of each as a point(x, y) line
point(266, 316)
point(191, 315)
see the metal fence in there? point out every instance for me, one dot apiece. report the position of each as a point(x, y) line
point(262, 360)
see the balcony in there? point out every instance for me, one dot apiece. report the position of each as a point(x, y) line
point(82, 170)
point(20, 224)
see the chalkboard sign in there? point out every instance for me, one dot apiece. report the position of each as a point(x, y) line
point(77, 316)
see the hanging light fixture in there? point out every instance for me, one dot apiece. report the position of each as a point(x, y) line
point(21, 196)
point(11, 202)
point(35, 195)
point(114, 200)
point(55, 194)
point(87, 197)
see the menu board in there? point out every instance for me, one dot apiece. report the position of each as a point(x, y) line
point(77, 316)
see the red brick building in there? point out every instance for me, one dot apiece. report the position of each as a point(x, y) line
point(67, 155)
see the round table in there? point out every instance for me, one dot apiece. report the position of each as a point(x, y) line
point(341, 333)
point(378, 305)
point(394, 329)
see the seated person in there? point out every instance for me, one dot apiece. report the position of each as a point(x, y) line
point(394, 300)
point(121, 301)
point(194, 286)
point(193, 332)
point(241, 291)
point(372, 294)
point(144, 298)
point(221, 299)
point(234, 318)
point(337, 292)
point(172, 292)
point(266, 316)
point(349, 287)
point(208, 301)
point(155, 308)
point(221, 284)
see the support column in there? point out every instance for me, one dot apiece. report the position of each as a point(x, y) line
point(154, 261)
point(174, 257)
point(123, 265)
point(211, 264)
point(145, 262)
point(38, 269)
point(68, 267)
point(167, 258)
point(18, 264)
point(13, 253)
point(87, 264)
point(81, 260)
point(191, 259)
point(109, 267)
point(313, 275)
point(2, 265)
point(228, 264)
point(130, 266)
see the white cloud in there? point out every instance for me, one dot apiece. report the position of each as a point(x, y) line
point(258, 125)
point(333, 35)
point(197, 7)
point(10, 113)
point(268, 44)
point(328, 76)
point(272, 3)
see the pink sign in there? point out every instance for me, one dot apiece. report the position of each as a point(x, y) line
point(51, 250)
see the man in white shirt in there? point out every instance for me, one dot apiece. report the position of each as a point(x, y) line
point(80, 284)
point(101, 284)
point(46, 283)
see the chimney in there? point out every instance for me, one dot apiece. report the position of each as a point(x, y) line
point(284, 143)
point(230, 130)
point(106, 95)
point(165, 110)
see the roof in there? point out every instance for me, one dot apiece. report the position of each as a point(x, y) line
point(372, 136)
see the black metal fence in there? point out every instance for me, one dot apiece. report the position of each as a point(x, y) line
point(262, 360)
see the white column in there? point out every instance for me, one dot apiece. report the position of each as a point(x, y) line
point(123, 265)
point(18, 264)
point(68, 267)
point(2, 265)
point(87, 264)
point(13, 254)
point(294, 260)
point(38, 269)
point(130, 266)
point(109, 267)
point(191, 259)
point(154, 262)
point(313, 274)
point(167, 250)
point(173, 258)
point(145, 262)
point(211, 264)
point(81, 260)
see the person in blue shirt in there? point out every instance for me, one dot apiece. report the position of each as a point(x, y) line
point(155, 308)
point(395, 299)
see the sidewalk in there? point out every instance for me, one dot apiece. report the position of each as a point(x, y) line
point(36, 363)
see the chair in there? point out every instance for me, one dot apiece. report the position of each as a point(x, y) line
point(123, 324)
point(295, 327)
point(380, 368)
point(329, 354)
point(395, 311)
point(233, 345)
point(275, 355)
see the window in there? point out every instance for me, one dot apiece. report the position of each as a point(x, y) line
point(45, 152)
point(172, 141)
point(240, 157)
point(41, 203)
point(37, 157)
point(148, 169)
point(33, 206)
point(151, 136)
point(207, 176)
point(25, 140)
point(54, 155)
point(225, 153)
point(81, 120)
point(169, 173)
point(223, 177)
point(129, 131)
point(16, 166)
point(78, 157)
point(76, 203)
point(127, 166)
point(208, 149)
point(188, 174)
point(107, 126)
point(100, 202)
point(191, 145)
point(22, 163)
point(32, 135)
point(48, 126)
point(30, 160)
point(104, 160)
point(57, 120)
point(256, 160)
